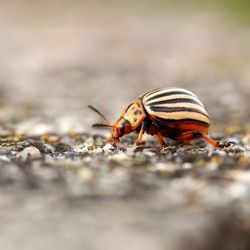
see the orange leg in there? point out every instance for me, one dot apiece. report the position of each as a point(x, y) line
point(160, 138)
point(210, 141)
point(142, 131)
point(191, 134)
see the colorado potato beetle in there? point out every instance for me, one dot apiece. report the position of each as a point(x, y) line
point(175, 113)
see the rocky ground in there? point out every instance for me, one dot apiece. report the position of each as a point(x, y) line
point(62, 185)
point(77, 191)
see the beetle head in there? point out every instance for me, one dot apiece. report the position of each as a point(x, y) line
point(129, 121)
point(120, 128)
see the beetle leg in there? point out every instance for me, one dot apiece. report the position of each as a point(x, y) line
point(160, 138)
point(191, 134)
point(139, 139)
point(210, 140)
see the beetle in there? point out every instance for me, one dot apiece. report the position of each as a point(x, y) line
point(173, 112)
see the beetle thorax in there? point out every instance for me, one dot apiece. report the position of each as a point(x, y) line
point(135, 114)
point(131, 118)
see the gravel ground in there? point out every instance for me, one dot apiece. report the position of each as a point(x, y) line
point(63, 186)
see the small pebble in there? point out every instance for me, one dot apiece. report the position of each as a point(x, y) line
point(28, 152)
point(4, 158)
point(51, 138)
point(109, 147)
point(119, 157)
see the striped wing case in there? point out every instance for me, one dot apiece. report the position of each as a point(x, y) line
point(173, 105)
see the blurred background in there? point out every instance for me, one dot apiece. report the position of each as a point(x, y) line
point(58, 56)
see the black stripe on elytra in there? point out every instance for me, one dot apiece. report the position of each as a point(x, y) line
point(177, 100)
point(177, 92)
point(176, 109)
point(180, 121)
point(152, 92)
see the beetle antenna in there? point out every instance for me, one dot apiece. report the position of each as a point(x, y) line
point(100, 114)
point(98, 125)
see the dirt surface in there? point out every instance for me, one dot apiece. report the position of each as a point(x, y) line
point(62, 185)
